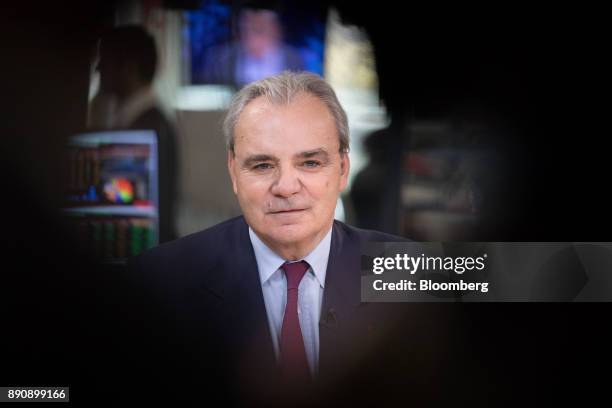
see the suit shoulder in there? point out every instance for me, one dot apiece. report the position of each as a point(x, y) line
point(207, 245)
point(151, 118)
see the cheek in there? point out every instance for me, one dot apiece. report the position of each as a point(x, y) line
point(253, 192)
point(324, 190)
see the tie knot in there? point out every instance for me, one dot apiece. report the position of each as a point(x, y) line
point(295, 272)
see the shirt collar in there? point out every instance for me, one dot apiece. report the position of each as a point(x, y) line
point(268, 262)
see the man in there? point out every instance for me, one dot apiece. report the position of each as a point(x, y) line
point(128, 62)
point(259, 51)
point(270, 301)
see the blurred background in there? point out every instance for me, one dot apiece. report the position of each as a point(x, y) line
point(462, 128)
point(467, 124)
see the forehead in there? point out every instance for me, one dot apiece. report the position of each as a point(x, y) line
point(258, 17)
point(303, 124)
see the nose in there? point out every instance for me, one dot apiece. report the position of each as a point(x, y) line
point(287, 182)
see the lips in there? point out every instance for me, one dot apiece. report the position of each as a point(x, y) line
point(295, 210)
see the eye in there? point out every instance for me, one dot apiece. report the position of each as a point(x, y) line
point(311, 164)
point(262, 166)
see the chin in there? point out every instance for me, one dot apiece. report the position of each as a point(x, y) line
point(288, 234)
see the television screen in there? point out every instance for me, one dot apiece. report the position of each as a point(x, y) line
point(235, 46)
point(112, 192)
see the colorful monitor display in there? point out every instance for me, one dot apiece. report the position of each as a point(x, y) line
point(112, 192)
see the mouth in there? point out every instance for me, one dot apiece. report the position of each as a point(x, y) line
point(295, 210)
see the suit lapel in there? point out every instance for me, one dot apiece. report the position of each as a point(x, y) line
point(340, 299)
point(231, 294)
point(254, 343)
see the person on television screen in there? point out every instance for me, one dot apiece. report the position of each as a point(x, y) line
point(258, 52)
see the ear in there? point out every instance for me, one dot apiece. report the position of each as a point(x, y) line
point(345, 167)
point(231, 167)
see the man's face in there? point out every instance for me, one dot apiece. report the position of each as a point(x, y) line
point(260, 32)
point(287, 170)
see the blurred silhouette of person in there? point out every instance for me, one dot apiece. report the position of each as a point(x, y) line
point(128, 62)
point(367, 190)
point(258, 52)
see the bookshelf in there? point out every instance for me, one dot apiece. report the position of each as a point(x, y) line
point(111, 199)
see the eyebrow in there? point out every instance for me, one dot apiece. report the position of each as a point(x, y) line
point(314, 153)
point(258, 158)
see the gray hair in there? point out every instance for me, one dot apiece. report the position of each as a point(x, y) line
point(281, 89)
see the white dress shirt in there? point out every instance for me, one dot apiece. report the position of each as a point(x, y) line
point(310, 293)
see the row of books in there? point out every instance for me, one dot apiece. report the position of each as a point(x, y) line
point(114, 238)
point(94, 171)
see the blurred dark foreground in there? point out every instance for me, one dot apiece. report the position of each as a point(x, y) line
point(69, 321)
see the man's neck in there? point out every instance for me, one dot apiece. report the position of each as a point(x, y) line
point(131, 107)
point(131, 89)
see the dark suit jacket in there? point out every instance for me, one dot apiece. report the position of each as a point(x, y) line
point(207, 287)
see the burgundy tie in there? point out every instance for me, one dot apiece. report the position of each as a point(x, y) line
point(293, 362)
